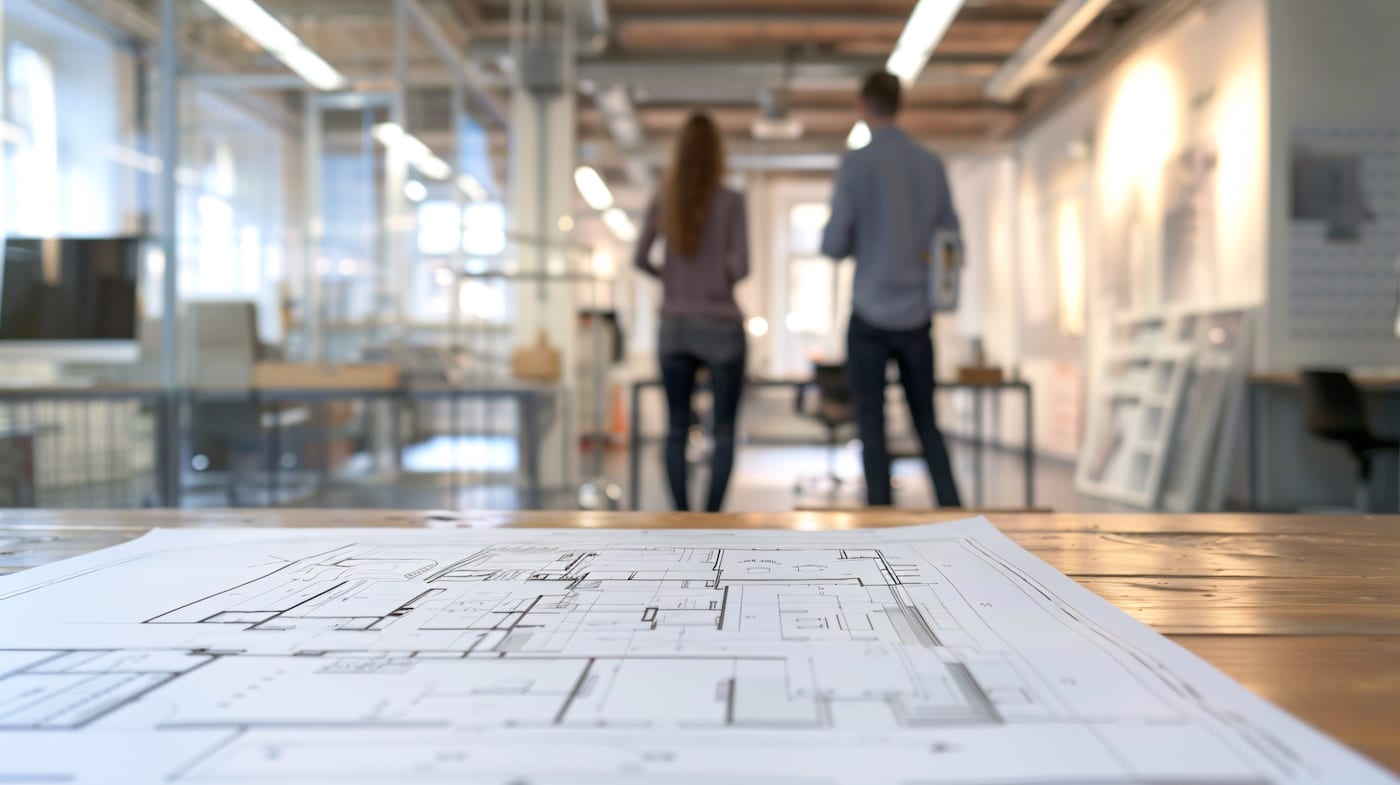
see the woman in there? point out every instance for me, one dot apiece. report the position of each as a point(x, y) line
point(707, 252)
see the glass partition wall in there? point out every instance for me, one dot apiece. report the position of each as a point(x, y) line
point(320, 192)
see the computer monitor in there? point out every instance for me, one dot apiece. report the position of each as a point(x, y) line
point(70, 298)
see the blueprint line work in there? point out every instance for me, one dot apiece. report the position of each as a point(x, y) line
point(940, 654)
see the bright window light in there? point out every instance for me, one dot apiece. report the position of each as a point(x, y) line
point(925, 28)
point(272, 35)
point(594, 190)
point(604, 265)
point(859, 136)
point(484, 229)
point(415, 191)
point(620, 224)
point(439, 228)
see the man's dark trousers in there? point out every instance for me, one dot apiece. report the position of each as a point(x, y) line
point(869, 350)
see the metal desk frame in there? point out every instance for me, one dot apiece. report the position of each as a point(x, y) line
point(635, 439)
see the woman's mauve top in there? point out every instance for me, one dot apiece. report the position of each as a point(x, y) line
point(701, 285)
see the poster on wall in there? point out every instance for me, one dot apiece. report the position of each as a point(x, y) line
point(1189, 271)
point(1345, 234)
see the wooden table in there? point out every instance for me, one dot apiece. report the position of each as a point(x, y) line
point(1303, 610)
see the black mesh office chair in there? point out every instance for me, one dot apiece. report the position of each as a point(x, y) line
point(1335, 410)
point(835, 409)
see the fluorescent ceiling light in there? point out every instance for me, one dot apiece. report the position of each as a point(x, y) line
point(472, 188)
point(412, 149)
point(626, 130)
point(387, 134)
point(859, 136)
point(785, 129)
point(256, 23)
point(620, 224)
point(309, 66)
point(1061, 27)
point(925, 28)
point(594, 190)
point(433, 167)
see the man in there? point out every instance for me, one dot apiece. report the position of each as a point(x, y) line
point(891, 197)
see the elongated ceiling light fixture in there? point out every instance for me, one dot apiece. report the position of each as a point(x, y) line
point(621, 224)
point(473, 188)
point(1059, 29)
point(594, 190)
point(927, 23)
point(417, 154)
point(256, 23)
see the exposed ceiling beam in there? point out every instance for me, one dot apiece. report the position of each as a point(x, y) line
point(854, 13)
point(468, 12)
point(800, 155)
point(1052, 37)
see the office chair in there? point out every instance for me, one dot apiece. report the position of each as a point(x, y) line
point(1334, 409)
point(835, 410)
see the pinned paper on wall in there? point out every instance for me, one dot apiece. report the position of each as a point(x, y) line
point(1345, 239)
point(1189, 267)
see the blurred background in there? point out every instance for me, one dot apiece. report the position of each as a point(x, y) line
point(377, 253)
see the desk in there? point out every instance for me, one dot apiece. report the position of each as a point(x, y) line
point(1303, 610)
point(634, 472)
point(403, 396)
point(1261, 430)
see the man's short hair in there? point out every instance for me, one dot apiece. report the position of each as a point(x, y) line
point(881, 94)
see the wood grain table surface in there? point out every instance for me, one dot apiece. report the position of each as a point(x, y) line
point(1302, 609)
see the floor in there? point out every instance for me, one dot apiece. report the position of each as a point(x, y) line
point(767, 478)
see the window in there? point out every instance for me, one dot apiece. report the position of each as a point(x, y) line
point(32, 144)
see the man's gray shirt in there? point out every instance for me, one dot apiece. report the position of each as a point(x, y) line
point(891, 196)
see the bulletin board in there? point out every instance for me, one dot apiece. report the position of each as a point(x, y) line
point(1344, 236)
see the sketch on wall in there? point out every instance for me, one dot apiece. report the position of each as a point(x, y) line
point(1122, 276)
point(1189, 266)
point(1328, 188)
point(1345, 238)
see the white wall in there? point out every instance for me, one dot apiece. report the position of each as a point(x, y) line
point(1108, 157)
point(1334, 66)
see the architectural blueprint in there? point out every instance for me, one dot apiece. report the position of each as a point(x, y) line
point(933, 654)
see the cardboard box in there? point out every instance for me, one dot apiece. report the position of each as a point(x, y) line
point(974, 374)
point(332, 376)
point(537, 363)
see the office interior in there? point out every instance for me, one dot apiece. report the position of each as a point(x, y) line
point(377, 253)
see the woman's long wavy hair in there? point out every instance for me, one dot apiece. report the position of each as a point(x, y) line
point(695, 174)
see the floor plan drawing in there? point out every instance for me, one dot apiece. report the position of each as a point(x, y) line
point(937, 654)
